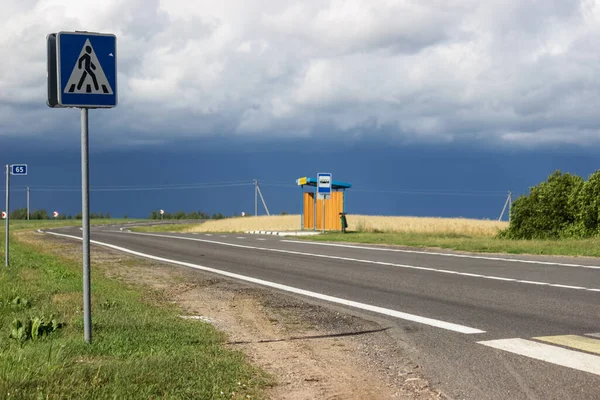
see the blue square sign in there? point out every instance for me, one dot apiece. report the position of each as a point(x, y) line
point(18, 169)
point(324, 183)
point(86, 69)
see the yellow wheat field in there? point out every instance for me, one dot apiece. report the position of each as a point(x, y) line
point(363, 223)
point(462, 226)
point(242, 224)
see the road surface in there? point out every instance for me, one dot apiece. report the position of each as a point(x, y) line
point(481, 326)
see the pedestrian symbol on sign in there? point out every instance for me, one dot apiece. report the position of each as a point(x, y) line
point(88, 75)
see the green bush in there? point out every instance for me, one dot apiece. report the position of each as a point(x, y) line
point(565, 206)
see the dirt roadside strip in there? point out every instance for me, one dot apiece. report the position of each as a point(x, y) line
point(313, 352)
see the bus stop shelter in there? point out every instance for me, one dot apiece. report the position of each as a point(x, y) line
point(316, 212)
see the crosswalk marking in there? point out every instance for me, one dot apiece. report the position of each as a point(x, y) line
point(594, 334)
point(545, 352)
point(574, 341)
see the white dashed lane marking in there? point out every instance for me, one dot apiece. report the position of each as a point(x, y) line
point(415, 267)
point(431, 253)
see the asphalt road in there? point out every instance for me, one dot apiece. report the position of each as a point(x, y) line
point(481, 326)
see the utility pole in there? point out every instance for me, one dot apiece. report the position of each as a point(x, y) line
point(256, 198)
point(508, 203)
point(27, 203)
point(259, 193)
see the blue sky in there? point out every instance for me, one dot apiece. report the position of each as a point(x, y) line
point(447, 105)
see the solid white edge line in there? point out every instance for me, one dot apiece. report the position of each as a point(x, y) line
point(445, 271)
point(367, 307)
point(431, 253)
point(544, 352)
point(533, 282)
point(568, 286)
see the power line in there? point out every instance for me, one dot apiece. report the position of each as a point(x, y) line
point(249, 182)
point(239, 183)
point(433, 192)
point(135, 188)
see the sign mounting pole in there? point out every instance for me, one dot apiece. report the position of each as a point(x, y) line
point(6, 248)
point(324, 184)
point(82, 73)
point(85, 225)
point(15, 169)
point(324, 198)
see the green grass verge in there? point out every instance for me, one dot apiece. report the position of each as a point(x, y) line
point(565, 247)
point(141, 348)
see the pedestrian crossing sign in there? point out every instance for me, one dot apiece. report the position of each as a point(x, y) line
point(86, 70)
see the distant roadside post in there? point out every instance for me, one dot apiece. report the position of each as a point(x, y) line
point(15, 169)
point(162, 212)
point(323, 190)
point(82, 73)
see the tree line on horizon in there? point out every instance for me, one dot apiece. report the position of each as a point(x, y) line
point(196, 215)
point(155, 214)
point(564, 206)
point(21, 213)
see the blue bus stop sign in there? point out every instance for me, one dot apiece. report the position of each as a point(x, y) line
point(18, 169)
point(324, 184)
point(86, 70)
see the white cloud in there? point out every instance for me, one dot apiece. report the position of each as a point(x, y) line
point(500, 71)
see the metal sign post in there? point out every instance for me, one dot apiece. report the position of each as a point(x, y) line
point(324, 198)
point(85, 226)
point(6, 248)
point(82, 73)
point(324, 190)
point(16, 169)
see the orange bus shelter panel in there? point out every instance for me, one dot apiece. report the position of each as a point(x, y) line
point(334, 205)
point(309, 210)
